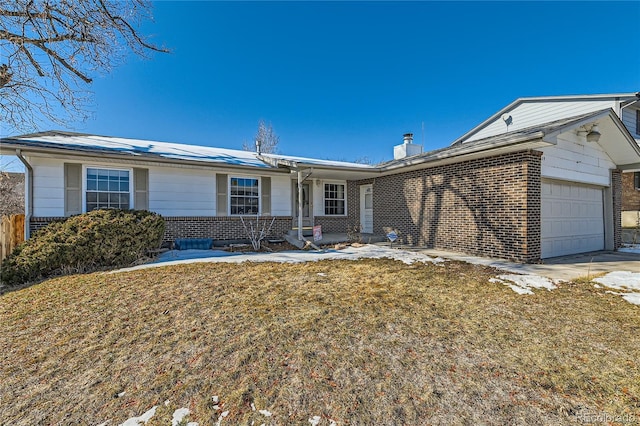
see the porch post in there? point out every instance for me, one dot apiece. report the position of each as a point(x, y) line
point(300, 205)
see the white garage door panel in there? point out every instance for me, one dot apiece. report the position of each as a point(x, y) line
point(572, 219)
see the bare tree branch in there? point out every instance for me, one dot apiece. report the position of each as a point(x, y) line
point(267, 137)
point(11, 193)
point(50, 52)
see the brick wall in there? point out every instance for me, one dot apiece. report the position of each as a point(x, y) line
point(630, 195)
point(37, 223)
point(617, 192)
point(216, 227)
point(332, 224)
point(219, 227)
point(489, 206)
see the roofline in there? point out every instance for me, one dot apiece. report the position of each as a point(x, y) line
point(279, 165)
point(518, 101)
point(297, 165)
point(551, 137)
point(115, 155)
point(565, 97)
point(455, 153)
point(460, 153)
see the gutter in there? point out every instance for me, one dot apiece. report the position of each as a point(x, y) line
point(28, 198)
point(629, 104)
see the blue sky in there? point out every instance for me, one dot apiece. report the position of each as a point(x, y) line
point(345, 80)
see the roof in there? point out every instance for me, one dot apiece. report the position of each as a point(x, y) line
point(621, 147)
point(137, 148)
point(563, 98)
point(625, 152)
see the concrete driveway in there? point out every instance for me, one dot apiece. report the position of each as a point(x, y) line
point(565, 267)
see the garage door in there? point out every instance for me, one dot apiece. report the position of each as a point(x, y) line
point(572, 218)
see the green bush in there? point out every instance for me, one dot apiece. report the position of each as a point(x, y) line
point(83, 243)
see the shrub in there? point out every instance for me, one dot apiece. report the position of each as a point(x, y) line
point(83, 243)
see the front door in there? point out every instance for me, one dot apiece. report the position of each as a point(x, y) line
point(366, 208)
point(307, 206)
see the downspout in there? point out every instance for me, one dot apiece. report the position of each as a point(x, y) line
point(28, 198)
point(629, 104)
point(300, 180)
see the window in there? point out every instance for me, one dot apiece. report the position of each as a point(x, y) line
point(636, 180)
point(334, 199)
point(107, 189)
point(245, 196)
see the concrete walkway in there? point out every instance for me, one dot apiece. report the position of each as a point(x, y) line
point(566, 267)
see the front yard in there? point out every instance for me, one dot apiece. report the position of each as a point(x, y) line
point(372, 341)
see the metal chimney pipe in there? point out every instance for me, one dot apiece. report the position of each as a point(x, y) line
point(408, 137)
point(258, 146)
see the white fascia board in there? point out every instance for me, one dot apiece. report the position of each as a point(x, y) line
point(323, 170)
point(620, 96)
point(635, 167)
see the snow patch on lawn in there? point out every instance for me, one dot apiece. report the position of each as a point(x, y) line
point(522, 284)
point(315, 420)
point(366, 251)
point(621, 280)
point(179, 415)
point(628, 282)
point(632, 298)
point(143, 419)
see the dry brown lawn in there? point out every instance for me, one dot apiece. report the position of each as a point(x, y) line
point(353, 342)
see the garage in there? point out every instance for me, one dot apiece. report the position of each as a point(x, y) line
point(572, 218)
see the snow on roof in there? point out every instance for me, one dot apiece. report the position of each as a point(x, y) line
point(138, 147)
point(174, 151)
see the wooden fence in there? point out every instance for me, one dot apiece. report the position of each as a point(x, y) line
point(11, 233)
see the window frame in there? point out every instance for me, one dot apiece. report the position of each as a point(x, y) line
point(325, 199)
point(229, 195)
point(636, 181)
point(85, 168)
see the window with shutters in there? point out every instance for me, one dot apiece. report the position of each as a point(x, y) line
point(334, 199)
point(108, 189)
point(244, 195)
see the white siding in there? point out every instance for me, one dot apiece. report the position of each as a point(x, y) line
point(48, 187)
point(318, 198)
point(575, 159)
point(281, 196)
point(535, 113)
point(182, 192)
point(629, 120)
point(173, 191)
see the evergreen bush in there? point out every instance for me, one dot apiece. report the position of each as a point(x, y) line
point(83, 243)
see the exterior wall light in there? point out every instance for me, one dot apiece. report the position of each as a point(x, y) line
point(594, 134)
